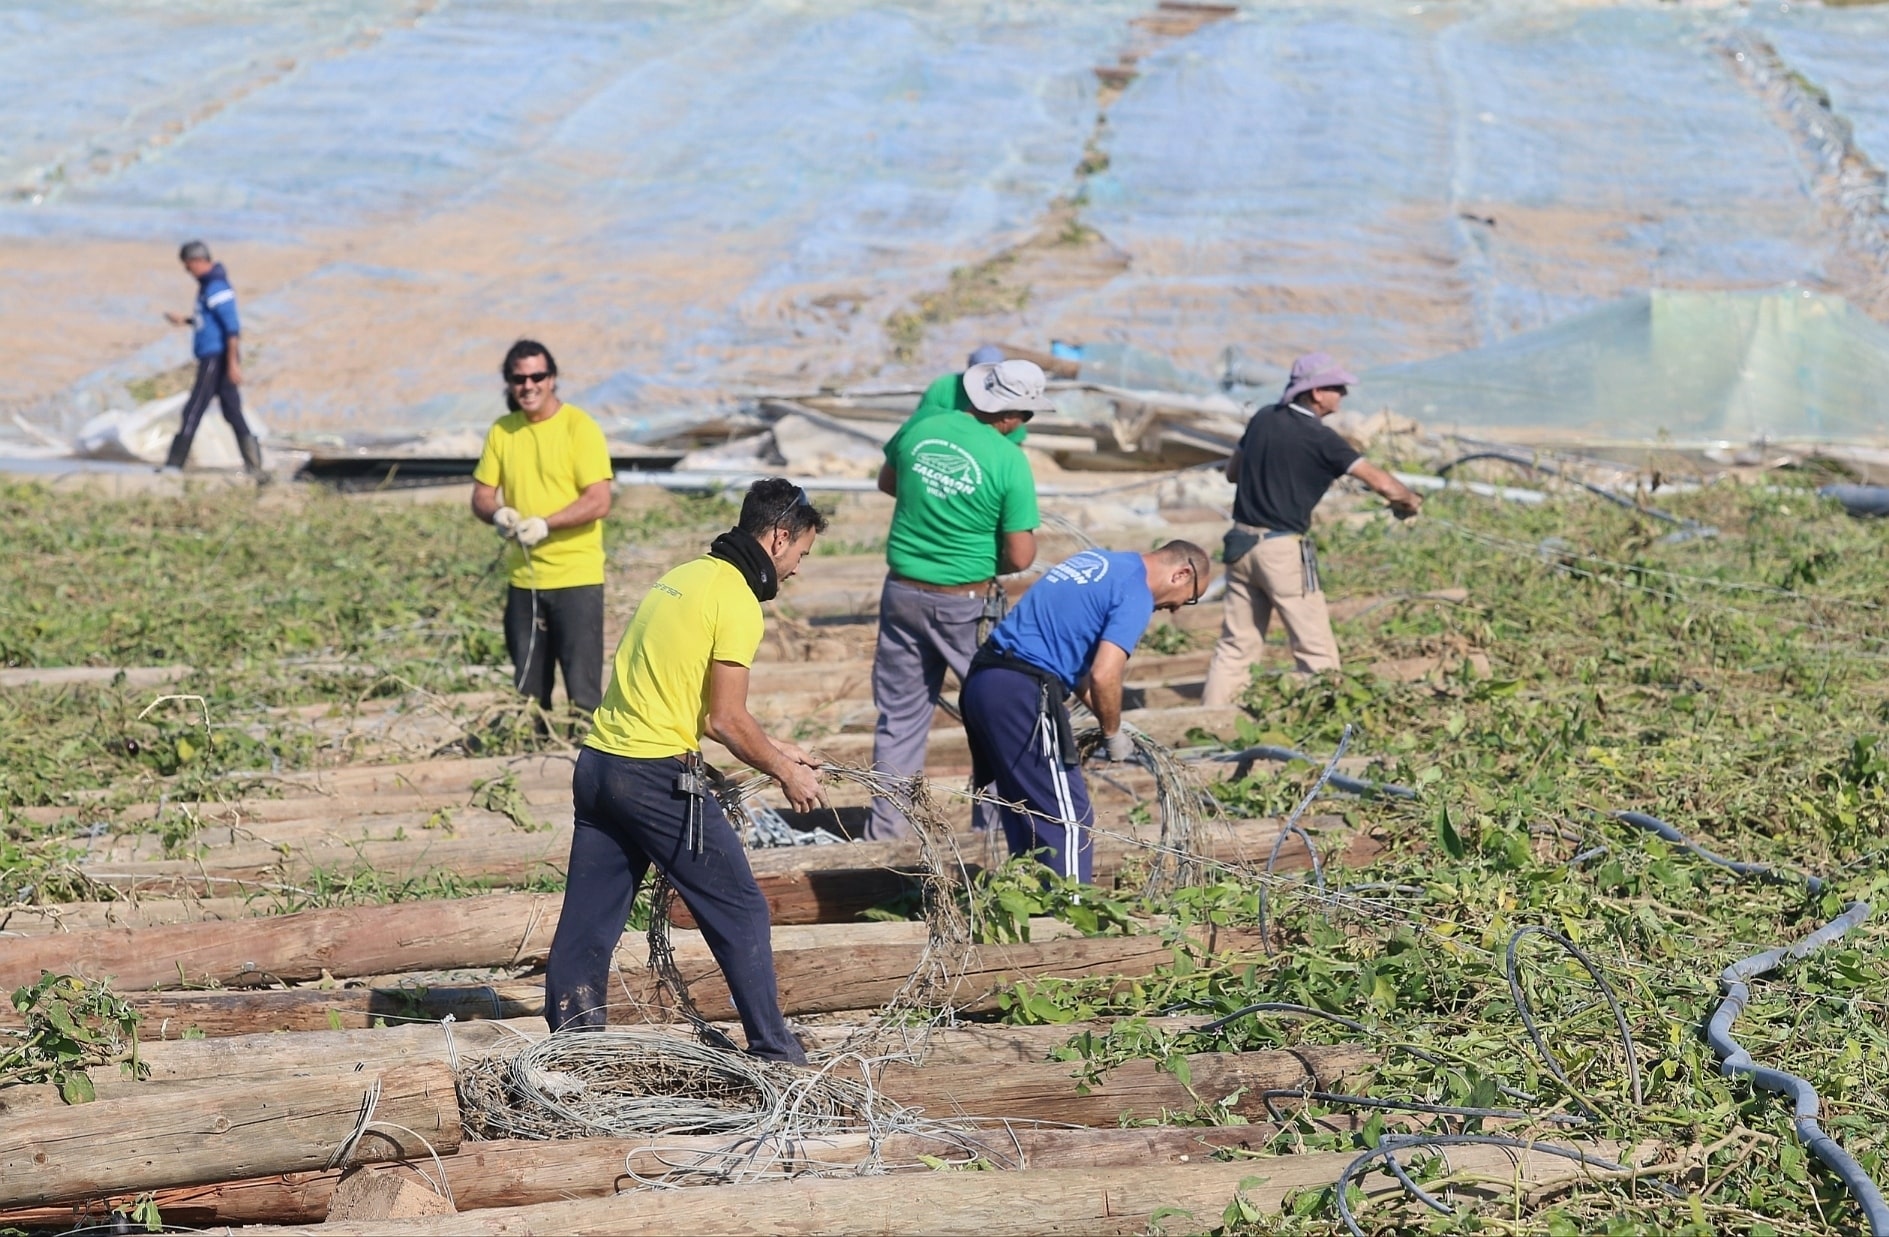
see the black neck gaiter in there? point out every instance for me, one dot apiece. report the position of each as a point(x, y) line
point(749, 558)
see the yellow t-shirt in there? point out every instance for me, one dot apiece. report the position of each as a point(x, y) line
point(542, 468)
point(657, 703)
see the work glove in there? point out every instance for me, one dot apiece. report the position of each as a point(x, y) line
point(532, 531)
point(1119, 747)
point(506, 521)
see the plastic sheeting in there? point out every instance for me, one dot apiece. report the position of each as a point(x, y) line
point(692, 200)
point(1843, 52)
point(1689, 368)
point(1390, 182)
point(677, 197)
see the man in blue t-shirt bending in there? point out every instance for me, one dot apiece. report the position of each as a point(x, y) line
point(1072, 632)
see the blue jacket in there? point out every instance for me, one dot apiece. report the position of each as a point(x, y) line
point(216, 314)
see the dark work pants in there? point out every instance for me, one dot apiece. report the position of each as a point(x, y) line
point(213, 382)
point(1015, 742)
point(630, 815)
point(565, 630)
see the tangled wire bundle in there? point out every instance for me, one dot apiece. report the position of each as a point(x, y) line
point(1179, 799)
point(637, 1083)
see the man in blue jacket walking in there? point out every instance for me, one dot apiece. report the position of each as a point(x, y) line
point(217, 342)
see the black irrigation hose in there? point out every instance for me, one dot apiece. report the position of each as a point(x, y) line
point(1735, 1060)
point(1389, 1145)
point(1243, 762)
point(1653, 824)
point(1534, 1031)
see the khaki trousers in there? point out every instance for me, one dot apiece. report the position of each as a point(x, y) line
point(1269, 578)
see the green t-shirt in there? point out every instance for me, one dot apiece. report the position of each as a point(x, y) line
point(961, 485)
point(946, 394)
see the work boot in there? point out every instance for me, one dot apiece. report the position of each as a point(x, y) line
point(252, 458)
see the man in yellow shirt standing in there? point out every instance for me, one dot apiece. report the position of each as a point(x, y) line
point(680, 673)
point(543, 481)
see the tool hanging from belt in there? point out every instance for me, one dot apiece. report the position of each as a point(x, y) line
point(1308, 558)
point(996, 605)
point(693, 784)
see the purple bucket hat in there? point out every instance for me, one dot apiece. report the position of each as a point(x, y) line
point(1315, 370)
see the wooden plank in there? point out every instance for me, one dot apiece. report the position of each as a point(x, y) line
point(1124, 1199)
point(809, 981)
point(514, 1173)
point(218, 1133)
point(491, 931)
point(259, 867)
point(1135, 1091)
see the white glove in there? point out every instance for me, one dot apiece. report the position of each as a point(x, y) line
point(1119, 747)
point(506, 520)
point(532, 531)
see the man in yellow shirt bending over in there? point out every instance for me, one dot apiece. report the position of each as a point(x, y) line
point(680, 673)
point(549, 461)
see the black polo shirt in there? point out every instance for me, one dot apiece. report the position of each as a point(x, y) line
point(1288, 459)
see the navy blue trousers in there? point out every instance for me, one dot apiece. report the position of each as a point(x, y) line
point(1013, 740)
point(213, 383)
point(630, 815)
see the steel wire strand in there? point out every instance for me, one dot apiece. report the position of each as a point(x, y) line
point(1527, 1015)
point(1243, 760)
point(1350, 1024)
point(1522, 461)
point(1734, 1059)
point(1291, 829)
point(1533, 553)
point(1390, 1144)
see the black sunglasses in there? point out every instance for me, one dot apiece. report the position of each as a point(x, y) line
point(525, 380)
point(799, 499)
point(1197, 590)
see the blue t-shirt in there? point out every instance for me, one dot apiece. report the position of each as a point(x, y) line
point(1080, 602)
point(216, 314)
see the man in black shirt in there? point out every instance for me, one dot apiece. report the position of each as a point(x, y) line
point(1285, 462)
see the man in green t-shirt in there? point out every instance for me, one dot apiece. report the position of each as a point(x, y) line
point(966, 514)
point(947, 393)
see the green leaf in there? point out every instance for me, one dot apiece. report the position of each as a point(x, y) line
point(77, 1088)
point(1446, 833)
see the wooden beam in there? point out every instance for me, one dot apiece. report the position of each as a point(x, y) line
point(259, 1057)
point(1056, 1202)
point(809, 983)
point(1133, 1092)
point(514, 1173)
point(492, 931)
point(211, 1134)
